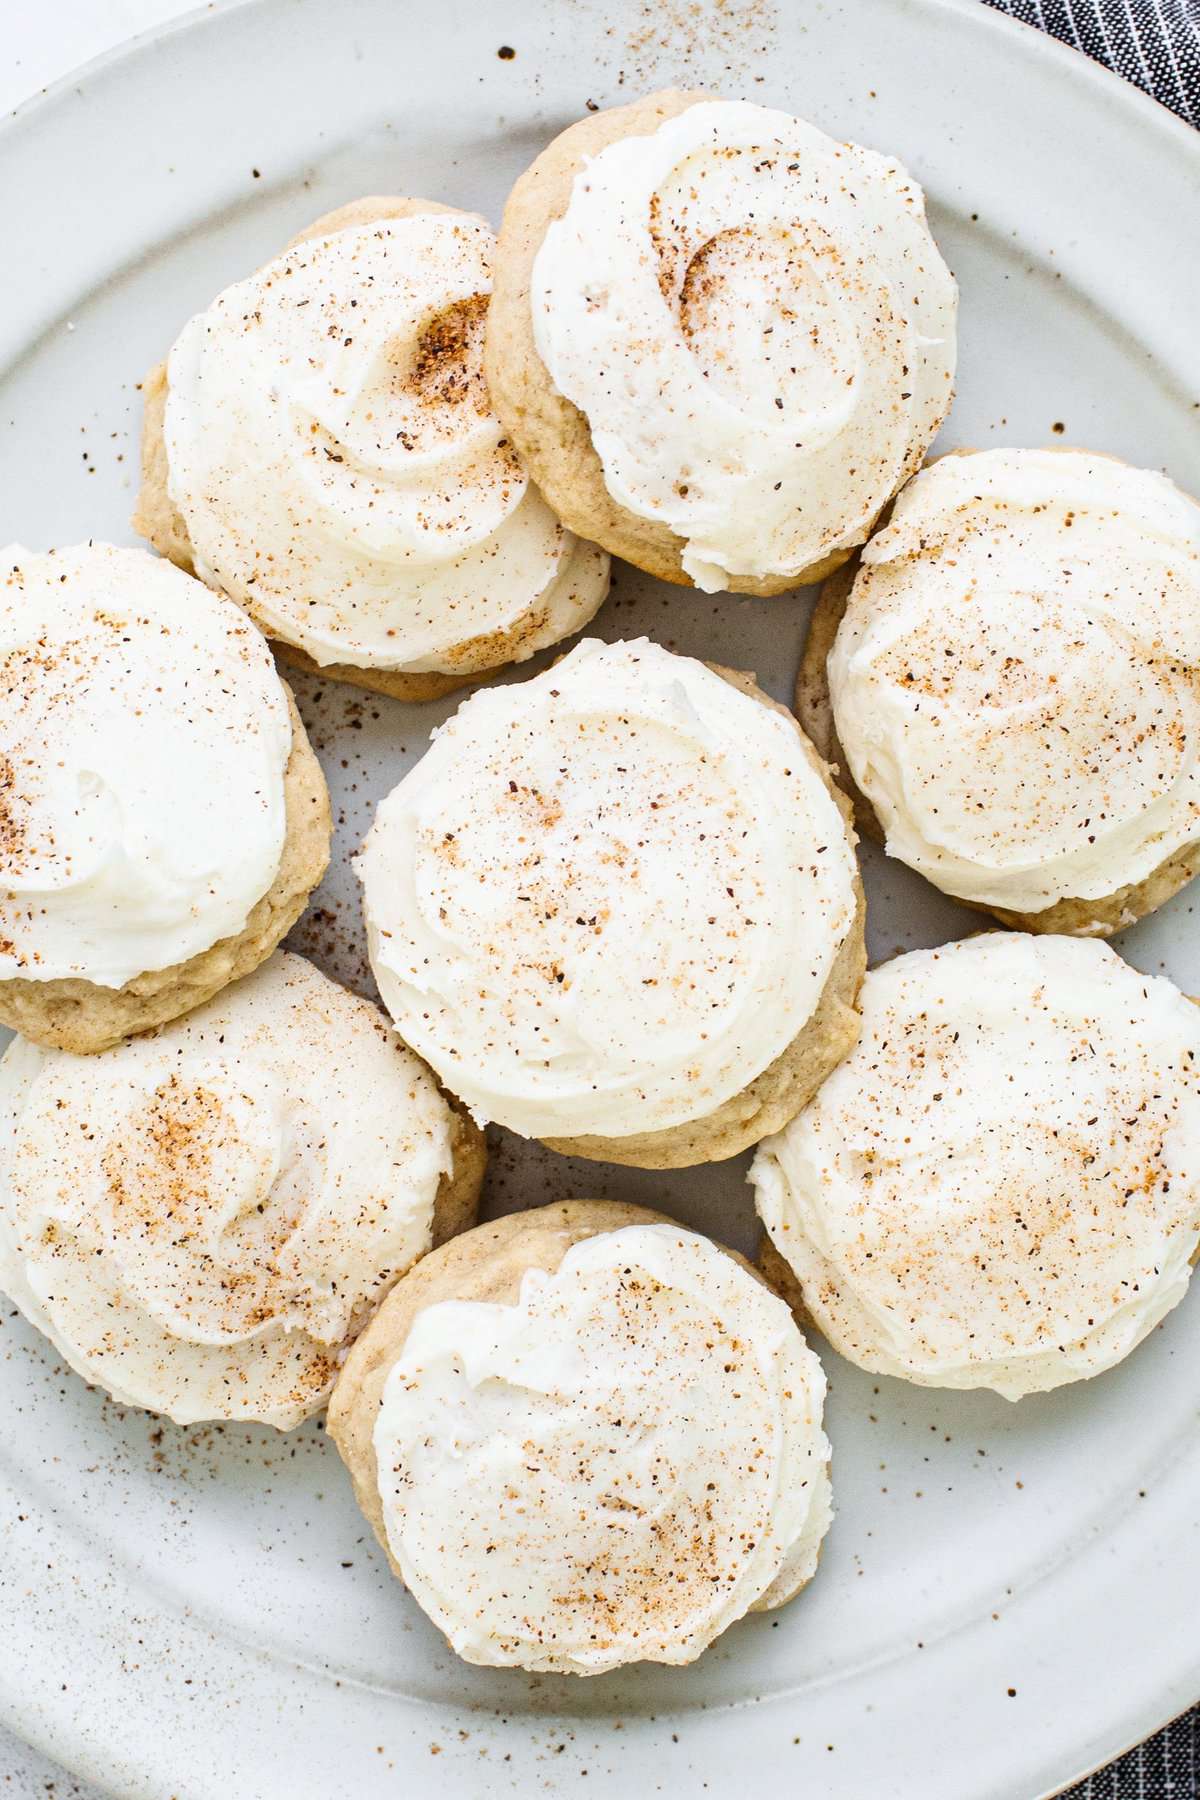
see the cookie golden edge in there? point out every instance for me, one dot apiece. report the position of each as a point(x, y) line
point(156, 518)
point(1068, 917)
point(788, 1083)
point(487, 1263)
point(455, 1210)
point(82, 1017)
point(551, 435)
point(456, 1203)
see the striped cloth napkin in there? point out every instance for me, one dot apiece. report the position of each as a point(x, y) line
point(1153, 43)
point(1156, 45)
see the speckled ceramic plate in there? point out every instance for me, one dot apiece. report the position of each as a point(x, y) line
point(1009, 1594)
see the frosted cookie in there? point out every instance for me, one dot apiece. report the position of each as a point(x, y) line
point(720, 340)
point(320, 446)
point(201, 1220)
point(616, 907)
point(163, 819)
point(587, 1437)
point(1000, 1187)
point(1010, 681)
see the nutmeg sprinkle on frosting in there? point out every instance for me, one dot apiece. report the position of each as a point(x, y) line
point(614, 1468)
point(333, 451)
point(200, 1219)
point(144, 735)
point(758, 327)
point(609, 897)
point(1000, 1186)
point(1016, 680)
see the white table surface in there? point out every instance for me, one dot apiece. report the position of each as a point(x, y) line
point(41, 43)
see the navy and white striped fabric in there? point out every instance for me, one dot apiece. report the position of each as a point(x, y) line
point(1156, 45)
point(1166, 1767)
point(1153, 43)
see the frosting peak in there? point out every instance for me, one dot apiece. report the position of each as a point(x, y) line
point(333, 451)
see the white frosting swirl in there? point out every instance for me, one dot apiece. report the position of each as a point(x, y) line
point(611, 1470)
point(1016, 682)
point(144, 736)
point(198, 1219)
point(607, 898)
point(759, 328)
point(1000, 1187)
point(333, 452)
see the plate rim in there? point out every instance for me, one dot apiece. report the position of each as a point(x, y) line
point(981, 14)
point(986, 22)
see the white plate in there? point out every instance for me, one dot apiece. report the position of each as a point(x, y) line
point(203, 1613)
